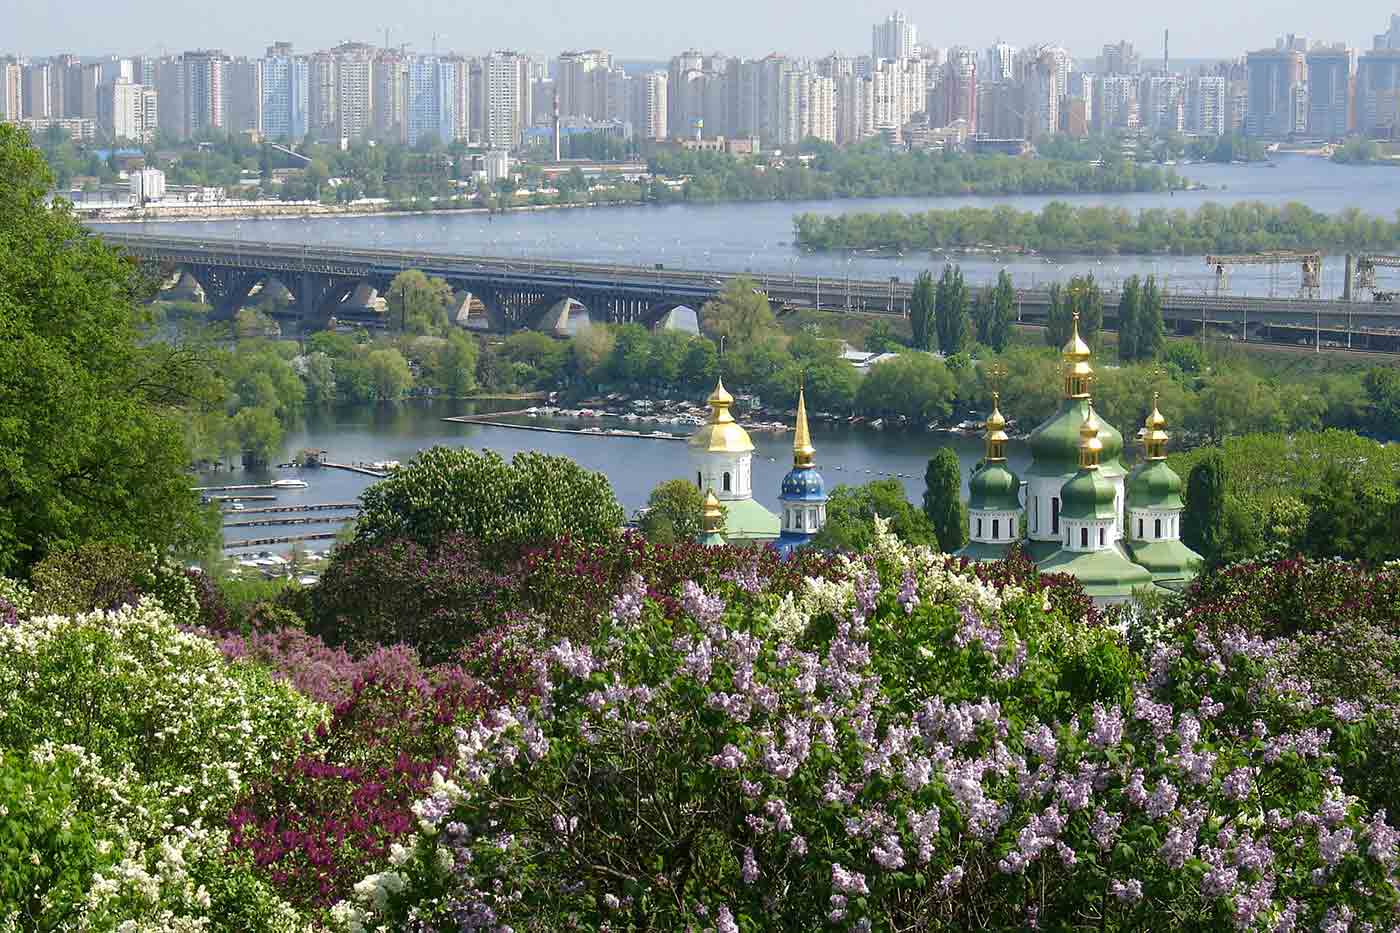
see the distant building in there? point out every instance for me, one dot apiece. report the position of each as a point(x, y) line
point(284, 94)
point(648, 112)
point(1275, 77)
point(11, 89)
point(508, 103)
point(1119, 59)
point(497, 164)
point(1330, 72)
point(133, 109)
point(202, 78)
point(1206, 105)
point(431, 112)
point(147, 185)
point(894, 39)
point(1377, 88)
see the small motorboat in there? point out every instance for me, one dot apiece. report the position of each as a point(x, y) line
point(289, 484)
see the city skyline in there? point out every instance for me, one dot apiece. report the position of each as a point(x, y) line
point(631, 29)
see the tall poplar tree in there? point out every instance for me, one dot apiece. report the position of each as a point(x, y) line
point(1129, 310)
point(922, 307)
point(943, 499)
point(1203, 524)
point(1151, 330)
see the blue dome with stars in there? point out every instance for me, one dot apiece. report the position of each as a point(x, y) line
point(803, 484)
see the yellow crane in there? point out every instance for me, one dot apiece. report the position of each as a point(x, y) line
point(1366, 265)
point(1310, 261)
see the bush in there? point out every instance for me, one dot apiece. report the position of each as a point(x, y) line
point(97, 577)
point(899, 746)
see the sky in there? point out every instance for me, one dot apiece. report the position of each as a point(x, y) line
point(658, 29)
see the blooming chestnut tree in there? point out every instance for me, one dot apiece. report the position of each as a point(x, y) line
point(898, 746)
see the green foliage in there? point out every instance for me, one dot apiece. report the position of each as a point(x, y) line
point(915, 385)
point(740, 313)
point(1059, 228)
point(943, 500)
point(1129, 315)
point(673, 512)
point(851, 513)
point(534, 498)
point(923, 307)
point(994, 312)
point(419, 304)
point(101, 576)
point(1203, 522)
point(91, 441)
point(880, 338)
point(951, 317)
point(1349, 516)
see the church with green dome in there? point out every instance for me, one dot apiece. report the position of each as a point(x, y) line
point(1079, 511)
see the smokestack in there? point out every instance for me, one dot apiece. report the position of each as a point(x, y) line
point(557, 148)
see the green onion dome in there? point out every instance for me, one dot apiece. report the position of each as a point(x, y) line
point(994, 488)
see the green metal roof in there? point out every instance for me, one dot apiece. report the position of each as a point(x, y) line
point(979, 551)
point(994, 488)
point(1167, 561)
point(1055, 443)
point(1106, 574)
point(1153, 484)
point(1090, 495)
point(746, 520)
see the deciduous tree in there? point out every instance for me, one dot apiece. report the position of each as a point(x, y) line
point(943, 499)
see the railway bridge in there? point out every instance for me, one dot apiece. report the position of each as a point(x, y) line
point(520, 293)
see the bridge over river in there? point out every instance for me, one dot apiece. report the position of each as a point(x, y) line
point(508, 294)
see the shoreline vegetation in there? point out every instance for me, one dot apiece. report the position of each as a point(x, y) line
point(1065, 229)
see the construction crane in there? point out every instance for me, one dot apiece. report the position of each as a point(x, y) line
point(1310, 261)
point(1366, 265)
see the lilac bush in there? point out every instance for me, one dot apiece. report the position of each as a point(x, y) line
point(900, 745)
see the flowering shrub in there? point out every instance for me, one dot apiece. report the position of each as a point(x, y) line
point(16, 601)
point(325, 674)
point(103, 576)
point(899, 746)
point(314, 826)
point(151, 734)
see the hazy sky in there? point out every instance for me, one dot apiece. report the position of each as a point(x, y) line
point(661, 28)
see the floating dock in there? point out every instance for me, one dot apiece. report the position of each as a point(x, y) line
point(600, 432)
point(323, 507)
point(290, 539)
point(306, 520)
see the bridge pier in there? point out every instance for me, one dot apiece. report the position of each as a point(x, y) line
point(225, 289)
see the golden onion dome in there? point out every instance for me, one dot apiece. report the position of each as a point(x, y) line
point(712, 514)
point(722, 434)
point(1155, 437)
point(1090, 447)
point(996, 436)
point(1075, 349)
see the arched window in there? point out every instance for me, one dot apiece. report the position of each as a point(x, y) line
point(1084, 537)
point(726, 482)
point(996, 529)
point(1055, 515)
point(979, 527)
point(1157, 531)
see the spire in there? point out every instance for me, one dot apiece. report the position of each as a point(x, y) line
point(1154, 438)
point(996, 433)
point(1090, 447)
point(719, 403)
point(1078, 373)
point(803, 453)
point(711, 515)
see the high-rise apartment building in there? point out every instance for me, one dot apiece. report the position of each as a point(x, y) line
point(1378, 91)
point(899, 89)
point(1001, 62)
point(284, 93)
point(649, 106)
point(1044, 91)
point(1275, 77)
point(1164, 103)
point(391, 95)
point(1118, 105)
point(958, 89)
point(11, 89)
point(203, 81)
point(806, 108)
point(1330, 70)
point(894, 39)
point(243, 95)
point(508, 102)
point(38, 89)
point(321, 96)
point(1390, 39)
point(582, 81)
point(354, 90)
point(65, 85)
point(459, 81)
point(854, 102)
point(131, 111)
point(1119, 59)
point(1206, 109)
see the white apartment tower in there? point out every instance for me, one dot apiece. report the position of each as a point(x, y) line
point(894, 39)
point(1206, 105)
point(202, 78)
point(11, 89)
point(508, 102)
point(354, 90)
point(649, 105)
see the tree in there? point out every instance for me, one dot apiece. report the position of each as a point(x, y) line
point(673, 512)
point(1151, 329)
point(505, 507)
point(389, 375)
point(1203, 524)
point(1057, 318)
point(943, 499)
point(950, 315)
point(922, 307)
point(851, 511)
point(740, 313)
point(418, 304)
point(880, 338)
point(1084, 297)
point(1348, 517)
point(259, 435)
point(1003, 312)
point(1129, 311)
point(92, 441)
point(915, 385)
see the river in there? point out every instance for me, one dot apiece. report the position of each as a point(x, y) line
point(368, 433)
point(758, 236)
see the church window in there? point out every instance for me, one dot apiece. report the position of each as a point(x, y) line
point(726, 482)
point(699, 480)
point(1084, 537)
point(996, 529)
point(1055, 515)
point(1139, 528)
point(1100, 537)
point(1157, 531)
point(979, 527)
point(1035, 513)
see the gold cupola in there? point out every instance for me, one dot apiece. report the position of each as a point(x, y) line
point(996, 433)
point(1079, 375)
point(1090, 447)
point(721, 434)
point(711, 515)
point(803, 453)
point(1154, 438)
